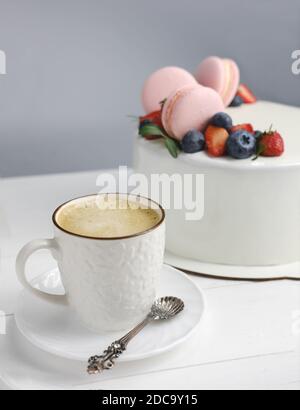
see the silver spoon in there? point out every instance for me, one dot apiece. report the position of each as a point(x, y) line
point(163, 309)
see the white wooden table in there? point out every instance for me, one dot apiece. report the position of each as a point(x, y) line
point(249, 338)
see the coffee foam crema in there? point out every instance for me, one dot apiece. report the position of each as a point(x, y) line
point(107, 217)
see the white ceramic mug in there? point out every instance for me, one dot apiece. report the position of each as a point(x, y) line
point(110, 283)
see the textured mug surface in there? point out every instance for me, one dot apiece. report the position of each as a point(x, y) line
point(110, 283)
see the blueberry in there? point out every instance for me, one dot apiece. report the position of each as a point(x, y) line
point(237, 101)
point(241, 145)
point(258, 134)
point(222, 120)
point(144, 123)
point(193, 141)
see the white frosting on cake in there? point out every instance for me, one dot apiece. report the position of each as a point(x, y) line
point(252, 208)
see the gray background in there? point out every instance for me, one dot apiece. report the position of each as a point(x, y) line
point(76, 68)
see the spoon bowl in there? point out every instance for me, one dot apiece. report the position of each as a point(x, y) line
point(166, 308)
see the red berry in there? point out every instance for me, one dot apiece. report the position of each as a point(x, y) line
point(151, 137)
point(154, 117)
point(216, 139)
point(271, 144)
point(246, 94)
point(246, 127)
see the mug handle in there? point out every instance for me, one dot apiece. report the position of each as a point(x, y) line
point(22, 258)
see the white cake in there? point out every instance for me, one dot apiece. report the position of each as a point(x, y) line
point(252, 208)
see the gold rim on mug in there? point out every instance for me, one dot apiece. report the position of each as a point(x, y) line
point(161, 221)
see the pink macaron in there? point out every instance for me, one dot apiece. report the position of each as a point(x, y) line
point(188, 108)
point(223, 75)
point(160, 84)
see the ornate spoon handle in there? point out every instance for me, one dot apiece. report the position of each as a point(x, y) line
point(97, 364)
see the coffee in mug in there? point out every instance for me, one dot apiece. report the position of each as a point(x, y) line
point(107, 217)
point(109, 249)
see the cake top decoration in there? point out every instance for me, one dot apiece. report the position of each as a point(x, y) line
point(160, 85)
point(187, 113)
point(223, 75)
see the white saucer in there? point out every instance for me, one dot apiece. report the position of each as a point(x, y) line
point(291, 271)
point(55, 329)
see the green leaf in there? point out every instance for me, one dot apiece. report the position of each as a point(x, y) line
point(151, 130)
point(260, 149)
point(133, 117)
point(172, 147)
point(154, 130)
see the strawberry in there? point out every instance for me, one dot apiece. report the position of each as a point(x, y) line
point(153, 117)
point(271, 144)
point(246, 94)
point(151, 137)
point(216, 139)
point(246, 127)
